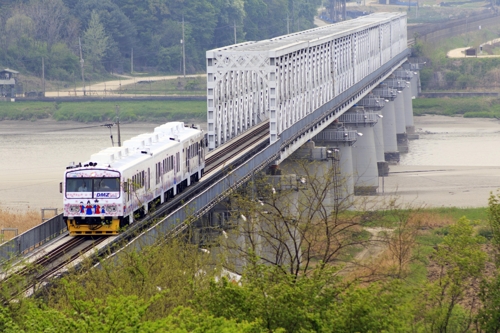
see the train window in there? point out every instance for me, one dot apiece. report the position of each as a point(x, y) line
point(90, 186)
point(107, 184)
point(79, 185)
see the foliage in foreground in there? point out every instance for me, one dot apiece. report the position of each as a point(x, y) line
point(175, 287)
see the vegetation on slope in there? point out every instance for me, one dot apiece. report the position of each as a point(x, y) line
point(432, 272)
point(104, 111)
point(471, 107)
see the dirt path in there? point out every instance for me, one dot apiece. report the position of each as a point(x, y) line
point(460, 52)
point(373, 249)
point(109, 88)
point(376, 247)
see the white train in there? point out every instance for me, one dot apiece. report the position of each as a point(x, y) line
point(106, 193)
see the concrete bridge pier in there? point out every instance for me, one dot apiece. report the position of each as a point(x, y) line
point(402, 139)
point(364, 155)
point(399, 107)
point(329, 167)
point(338, 141)
point(410, 125)
point(414, 84)
point(374, 103)
point(272, 234)
point(232, 231)
point(406, 76)
point(391, 153)
point(415, 79)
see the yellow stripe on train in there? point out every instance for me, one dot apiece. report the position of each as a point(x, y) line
point(93, 229)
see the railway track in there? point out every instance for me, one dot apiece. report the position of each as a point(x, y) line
point(234, 147)
point(48, 264)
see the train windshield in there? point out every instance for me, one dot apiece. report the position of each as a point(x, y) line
point(93, 185)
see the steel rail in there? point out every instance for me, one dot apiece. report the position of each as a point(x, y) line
point(234, 147)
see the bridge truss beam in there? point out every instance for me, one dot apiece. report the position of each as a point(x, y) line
point(286, 78)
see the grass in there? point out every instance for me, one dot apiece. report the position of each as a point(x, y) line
point(473, 214)
point(469, 107)
point(104, 111)
point(196, 86)
point(21, 221)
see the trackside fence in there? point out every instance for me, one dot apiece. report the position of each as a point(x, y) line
point(33, 238)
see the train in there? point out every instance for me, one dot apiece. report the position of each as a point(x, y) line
point(117, 185)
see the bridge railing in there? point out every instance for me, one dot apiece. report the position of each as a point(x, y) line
point(33, 238)
point(336, 135)
point(358, 118)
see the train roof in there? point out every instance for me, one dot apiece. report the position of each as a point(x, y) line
point(144, 145)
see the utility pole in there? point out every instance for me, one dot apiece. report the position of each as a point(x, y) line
point(110, 133)
point(132, 61)
point(183, 50)
point(117, 108)
point(287, 24)
point(81, 65)
point(234, 24)
point(43, 77)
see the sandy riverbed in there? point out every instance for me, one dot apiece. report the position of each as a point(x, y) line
point(456, 162)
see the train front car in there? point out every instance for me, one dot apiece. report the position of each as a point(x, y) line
point(121, 184)
point(93, 201)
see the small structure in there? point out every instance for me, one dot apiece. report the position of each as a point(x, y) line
point(8, 84)
point(470, 52)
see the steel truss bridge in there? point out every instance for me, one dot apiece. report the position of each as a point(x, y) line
point(291, 87)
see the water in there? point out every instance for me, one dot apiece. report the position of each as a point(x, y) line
point(454, 141)
point(34, 155)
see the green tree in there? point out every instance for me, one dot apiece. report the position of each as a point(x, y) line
point(51, 20)
point(120, 30)
point(494, 221)
point(18, 26)
point(378, 307)
point(460, 260)
point(277, 300)
point(255, 11)
point(95, 41)
point(489, 314)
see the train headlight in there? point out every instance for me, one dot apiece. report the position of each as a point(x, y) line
point(74, 209)
point(111, 209)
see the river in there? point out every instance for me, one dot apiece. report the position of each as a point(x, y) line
point(34, 155)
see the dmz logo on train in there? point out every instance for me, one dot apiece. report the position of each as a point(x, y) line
point(102, 195)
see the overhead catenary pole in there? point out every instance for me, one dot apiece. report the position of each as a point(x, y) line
point(43, 77)
point(81, 65)
point(234, 25)
point(117, 108)
point(183, 50)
